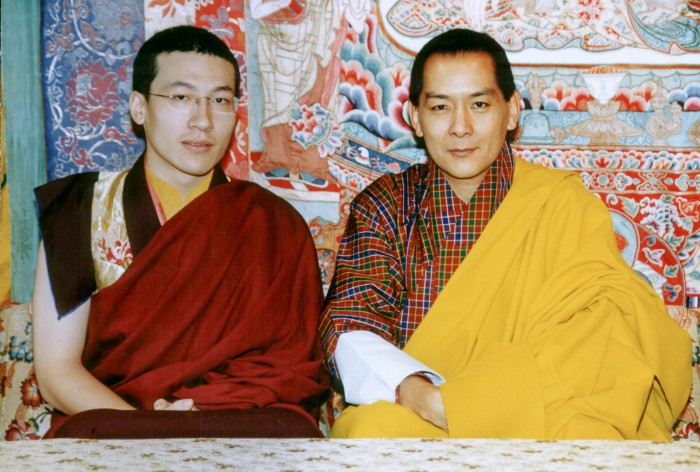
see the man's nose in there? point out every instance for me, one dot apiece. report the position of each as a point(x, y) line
point(461, 122)
point(201, 114)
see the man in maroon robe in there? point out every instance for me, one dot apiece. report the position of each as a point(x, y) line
point(170, 302)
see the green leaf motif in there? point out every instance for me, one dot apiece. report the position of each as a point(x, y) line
point(667, 198)
point(687, 224)
point(673, 241)
point(671, 271)
point(630, 206)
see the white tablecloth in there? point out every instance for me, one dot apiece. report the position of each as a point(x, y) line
point(353, 455)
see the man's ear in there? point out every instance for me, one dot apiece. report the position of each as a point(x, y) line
point(137, 107)
point(514, 110)
point(415, 121)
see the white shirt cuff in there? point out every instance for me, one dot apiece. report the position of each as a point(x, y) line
point(371, 368)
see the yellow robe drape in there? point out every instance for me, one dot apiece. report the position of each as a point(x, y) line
point(544, 331)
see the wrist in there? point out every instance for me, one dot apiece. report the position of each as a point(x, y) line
point(419, 375)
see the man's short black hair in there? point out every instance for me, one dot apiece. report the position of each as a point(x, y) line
point(178, 39)
point(462, 41)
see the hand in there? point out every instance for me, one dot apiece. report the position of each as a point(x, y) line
point(422, 397)
point(338, 402)
point(186, 404)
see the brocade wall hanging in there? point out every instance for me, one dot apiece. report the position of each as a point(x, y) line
point(611, 90)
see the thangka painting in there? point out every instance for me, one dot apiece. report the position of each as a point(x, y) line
point(629, 126)
point(611, 90)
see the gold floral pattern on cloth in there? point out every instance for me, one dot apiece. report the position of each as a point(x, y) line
point(357, 454)
point(111, 250)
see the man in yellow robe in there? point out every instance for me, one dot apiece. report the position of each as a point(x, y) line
point(478, 295)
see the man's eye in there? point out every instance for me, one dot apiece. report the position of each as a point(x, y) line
point(481, 105)
point(440, 107)
point(181, 98)
point(222, 100)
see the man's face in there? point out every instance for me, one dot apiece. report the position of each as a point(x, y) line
point(463, 117)
point(183, 146)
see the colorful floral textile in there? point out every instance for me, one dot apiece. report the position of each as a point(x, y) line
point(23, 413)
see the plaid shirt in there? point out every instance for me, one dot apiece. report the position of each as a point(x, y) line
point(406, 235)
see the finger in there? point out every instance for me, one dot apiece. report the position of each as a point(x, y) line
point(161, 404)
point(185, 404)
point(338, 402)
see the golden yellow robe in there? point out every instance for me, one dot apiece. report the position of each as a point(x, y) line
point(544, 331)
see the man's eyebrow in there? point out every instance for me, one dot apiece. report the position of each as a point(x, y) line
point(180, 83)
point(224, 88)
point(487, 92)
point(189, 85)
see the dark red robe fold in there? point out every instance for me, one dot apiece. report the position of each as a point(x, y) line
point(221, 306)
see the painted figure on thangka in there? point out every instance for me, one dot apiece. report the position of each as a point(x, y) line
point(298, 64)
point(295, 49)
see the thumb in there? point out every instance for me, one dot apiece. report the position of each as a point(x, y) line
point(160, 404)
point(183, 404)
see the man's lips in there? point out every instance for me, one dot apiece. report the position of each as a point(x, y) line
point(197, 145)
point(461, 151)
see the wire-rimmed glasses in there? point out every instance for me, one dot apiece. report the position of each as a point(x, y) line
point(187, 102)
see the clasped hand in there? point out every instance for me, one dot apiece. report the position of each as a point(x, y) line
point(185, 404)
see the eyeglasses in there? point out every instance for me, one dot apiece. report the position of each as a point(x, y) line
point(187, 102)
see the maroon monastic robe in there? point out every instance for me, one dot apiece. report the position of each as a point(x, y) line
point(221, 305)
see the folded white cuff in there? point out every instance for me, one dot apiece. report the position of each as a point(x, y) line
point(371, 368)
